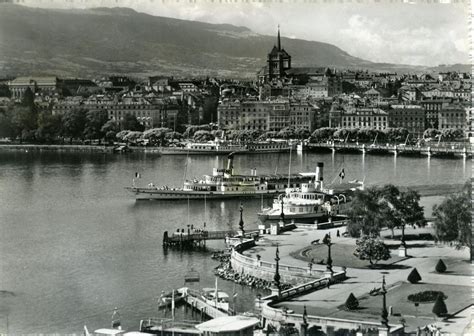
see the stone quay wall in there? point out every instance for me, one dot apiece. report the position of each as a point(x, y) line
point(266, 270)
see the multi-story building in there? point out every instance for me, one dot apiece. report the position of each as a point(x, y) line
point(303, 115)
point(364, 118)
point(46, 85)
point(411, 117)
point(432, 108)
point(454, 116)
point(313, 90)
point(268, 115)
point(156, 113)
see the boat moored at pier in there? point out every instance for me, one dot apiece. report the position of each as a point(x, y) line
point(224, 183)
point(312, 201)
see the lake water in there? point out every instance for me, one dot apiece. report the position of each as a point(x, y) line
point(74, 245)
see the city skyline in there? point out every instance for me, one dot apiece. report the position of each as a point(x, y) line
point(400, 33)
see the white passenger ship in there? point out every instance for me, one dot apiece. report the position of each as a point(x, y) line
point(311, 201)
point(222, 184)
point(222, 148)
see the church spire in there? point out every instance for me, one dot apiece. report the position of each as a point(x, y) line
point(279, 43)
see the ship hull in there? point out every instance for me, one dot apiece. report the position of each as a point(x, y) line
point(297, 218)
point(154, 194)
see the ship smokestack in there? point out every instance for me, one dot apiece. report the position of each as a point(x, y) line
point(230, 162)
point(319, 171)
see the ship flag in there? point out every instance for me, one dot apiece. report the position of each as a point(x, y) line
point(342, 174)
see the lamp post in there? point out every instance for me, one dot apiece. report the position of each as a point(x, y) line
point(282, 214)
point(327, 241)
point(241, 221)
point(384, 314)
point(304, 325)
point(277, 277)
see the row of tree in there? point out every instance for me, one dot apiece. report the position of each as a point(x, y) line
point(387, 207)
point(25, 122)
point(386, 135)
point(359, 134)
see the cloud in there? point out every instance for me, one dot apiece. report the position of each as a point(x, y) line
point(379, 41)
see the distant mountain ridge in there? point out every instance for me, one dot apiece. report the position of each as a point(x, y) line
point(100, 41)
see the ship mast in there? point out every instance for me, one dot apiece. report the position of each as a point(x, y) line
point(289, 170)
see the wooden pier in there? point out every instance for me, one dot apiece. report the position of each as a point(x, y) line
point(194, 300)
point(195, 238)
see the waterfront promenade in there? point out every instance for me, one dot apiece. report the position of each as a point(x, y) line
point(360, 281)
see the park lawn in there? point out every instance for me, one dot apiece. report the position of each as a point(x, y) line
point(454, 267)
point(459, 297)
point(341, 254)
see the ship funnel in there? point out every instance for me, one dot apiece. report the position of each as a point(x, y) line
point(230, 162)
point(319, 171)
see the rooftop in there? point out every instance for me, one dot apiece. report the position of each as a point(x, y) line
point(228, 324)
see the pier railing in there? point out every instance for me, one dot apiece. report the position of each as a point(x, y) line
point(464, 149)
point(265, 269)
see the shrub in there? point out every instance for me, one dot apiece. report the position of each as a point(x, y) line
point(440, 267)
point(439, 308)
point(414, 276)
point(426, 296)
point(352, 302)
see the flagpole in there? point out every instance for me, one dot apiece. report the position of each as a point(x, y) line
point(216, 295)
point(172, 304)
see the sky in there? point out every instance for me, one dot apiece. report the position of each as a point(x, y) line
point(379, 31)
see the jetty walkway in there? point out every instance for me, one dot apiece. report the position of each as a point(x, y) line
point(195, 238)
point(463, 149)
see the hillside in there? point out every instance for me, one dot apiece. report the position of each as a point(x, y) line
point(103, 41)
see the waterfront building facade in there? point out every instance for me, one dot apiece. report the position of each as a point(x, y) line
point(46, 85)
point(454, 117)
point(267, 115)
point(411, 117)
point(364, 118)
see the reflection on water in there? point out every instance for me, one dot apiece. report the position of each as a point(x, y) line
point(74, 245)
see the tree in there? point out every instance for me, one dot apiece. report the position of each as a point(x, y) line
point(49, 126)
point(169, 136)
point(439, 307)
point(133, 136)
point(7, 128)
point(371, 249)
point(203, 136)
point(95, 119)
point(286, 133)
point(110, 130)
point(156, 135)
point(190, 130)
point(352, 302)
point(440, 266)
point(25, 121)
point(302, 133)
point(414, 277)
point(122, 134)
point(130, 122)
point(452, 220)
point(73, 123)
point(322, 134)
point(367, 213)
point(268, 135)
point(430, 133)
point(451, 134)
point(28, 100)
point(404, 207)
